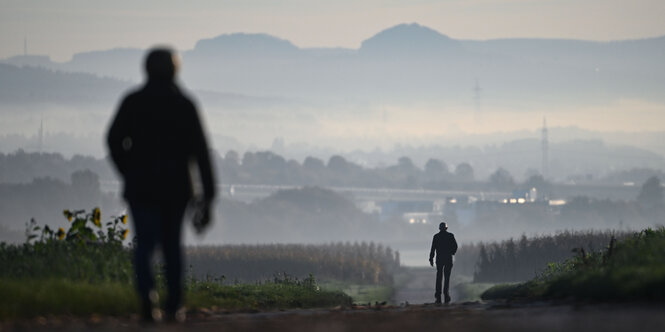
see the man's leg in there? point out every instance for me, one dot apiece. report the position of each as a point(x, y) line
point(171, 247)
point(446, 271)
point(146, 226)
point(439, 275)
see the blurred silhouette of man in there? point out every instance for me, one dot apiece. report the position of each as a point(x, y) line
point(444, 246)
point(157, 144)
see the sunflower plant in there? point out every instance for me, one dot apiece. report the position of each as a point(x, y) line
point(88, 249)
point(116, 229)
point(87, 226)
point(84, 227)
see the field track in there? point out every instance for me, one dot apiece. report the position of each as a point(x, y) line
point(541, 317)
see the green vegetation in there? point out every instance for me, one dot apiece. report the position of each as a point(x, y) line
point(513, 261)
point(25, 298)
point(87, 251)
point(36, 297)
point(631, 269)
point(281, 292)
point(87, 269)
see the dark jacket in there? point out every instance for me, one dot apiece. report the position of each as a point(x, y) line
point(444, 245)
point(155, 136)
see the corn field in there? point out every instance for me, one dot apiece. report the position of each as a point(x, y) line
point(364, 263)
point(523, 259)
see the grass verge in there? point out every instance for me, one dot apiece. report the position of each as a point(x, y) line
point(269, 295)
point(41, 297)
point(34, 297)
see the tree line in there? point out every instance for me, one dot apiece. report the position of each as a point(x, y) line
point(265, 167)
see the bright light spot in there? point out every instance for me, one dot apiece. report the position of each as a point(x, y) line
point(424, 221)
point(557, 202)
point(629, 184)
point(453, 200)
point(505, 201)
point(513, 200)
point(521, 200)
point(412, 221)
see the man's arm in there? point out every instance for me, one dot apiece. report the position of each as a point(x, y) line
point(432, 251)
point(119, 140)
point(454, 244)
point(202, 156)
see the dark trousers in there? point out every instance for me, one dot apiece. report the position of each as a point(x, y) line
point(443, 268)
point(159, 226)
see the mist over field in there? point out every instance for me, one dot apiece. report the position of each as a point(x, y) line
point(407, 85)
point(499, 137)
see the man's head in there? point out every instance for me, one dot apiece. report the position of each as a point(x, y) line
point(443, 226)
point(161, 64)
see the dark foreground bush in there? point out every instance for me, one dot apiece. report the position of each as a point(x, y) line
point(523, 259)
point(632, 269)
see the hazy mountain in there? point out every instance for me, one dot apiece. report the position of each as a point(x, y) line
point(243, 45)
point(39, 85)
point(405, 63)
point(43, 61)
point(409, 40)
point(121, 63)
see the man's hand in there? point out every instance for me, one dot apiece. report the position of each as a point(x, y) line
point(201, 218)
point(431, 262)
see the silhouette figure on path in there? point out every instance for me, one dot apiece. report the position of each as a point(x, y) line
point(156, 142)
point(444, 246)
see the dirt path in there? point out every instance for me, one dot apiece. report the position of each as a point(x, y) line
point(418, 286)
point(495, 317)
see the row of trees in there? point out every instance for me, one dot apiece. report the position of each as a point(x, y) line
point(268, 168)
point(365, 263)
point(23, 167)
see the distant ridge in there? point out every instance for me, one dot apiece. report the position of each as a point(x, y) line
point(421, 64)
point(243, 43)
point(408, 38)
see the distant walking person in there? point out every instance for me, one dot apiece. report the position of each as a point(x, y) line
point(444, 246)
point(157, 143)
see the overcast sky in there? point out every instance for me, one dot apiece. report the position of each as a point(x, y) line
point(62, 28)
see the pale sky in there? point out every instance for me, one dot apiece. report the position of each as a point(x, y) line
point(62, 28)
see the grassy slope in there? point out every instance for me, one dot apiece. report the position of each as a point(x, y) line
point(634, 269)
point(36, 297)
